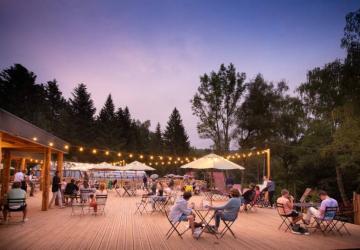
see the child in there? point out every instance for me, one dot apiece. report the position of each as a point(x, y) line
point(93, 203)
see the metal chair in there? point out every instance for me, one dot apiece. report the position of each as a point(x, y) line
point(174, 227)
point(326, 224)
point(285, 219)
point(227, 227)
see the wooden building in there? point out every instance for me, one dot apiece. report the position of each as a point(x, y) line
point(22, 141)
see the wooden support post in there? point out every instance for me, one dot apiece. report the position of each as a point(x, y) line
point(268, 168)
point(1, 171)
point(60, 164)
point(356, 204)
point(42, 177)
point(6, 174)
point(22, 164)
point(46, 181)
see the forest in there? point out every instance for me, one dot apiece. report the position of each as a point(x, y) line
point(313, 134)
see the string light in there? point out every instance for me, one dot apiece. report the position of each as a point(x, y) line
point(107, 153)
point(51, 144)
point(94, 151)
point(119, 154)
point(81, 149)
point(160, 157)
point(151, 157)
point(141, 156)
point(34, 138)
point(130, 155)
point(66, 147)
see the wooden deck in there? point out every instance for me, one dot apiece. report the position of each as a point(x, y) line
point(120, 228)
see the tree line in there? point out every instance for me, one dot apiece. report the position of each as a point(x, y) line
point(313, 135)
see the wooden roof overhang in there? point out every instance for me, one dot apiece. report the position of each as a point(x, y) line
point(19, 135)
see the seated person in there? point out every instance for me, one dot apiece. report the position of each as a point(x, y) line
point(326, 201)
point(71, 190)
point(159, 196)
point(171, 183)
point(92, 202)
point(249, 196)
point(288, 202)
point(181, 212)
point(15, 193)
point(101, 190)
point(85, 191)
point(230, 210)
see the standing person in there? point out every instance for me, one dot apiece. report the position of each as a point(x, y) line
point(145, 182)
point(229, 182)
point(56, 190)
point(62, 190)
point(271, 190)
point(20, 176)
point(32, 180)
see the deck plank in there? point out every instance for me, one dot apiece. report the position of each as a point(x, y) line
point(120, 228)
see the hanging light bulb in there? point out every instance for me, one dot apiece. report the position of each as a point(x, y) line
point(66, 147)
point(107, 153)
point(94, 151)
point(141, 156)
point(34, 138)
point(130, 155)
point(151, 157)
point(51, 144)
point(119, 154)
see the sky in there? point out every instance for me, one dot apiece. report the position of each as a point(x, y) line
point(150, 54)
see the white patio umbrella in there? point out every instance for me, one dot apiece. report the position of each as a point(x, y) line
point(137, 166)
point(212, 161)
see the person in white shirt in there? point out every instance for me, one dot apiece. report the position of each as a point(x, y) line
point(32, 179)
point(19, 177)
point(181, 212)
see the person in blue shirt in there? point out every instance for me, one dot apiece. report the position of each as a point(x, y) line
point(230, 210)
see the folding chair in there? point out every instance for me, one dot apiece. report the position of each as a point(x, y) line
point(326, 224)
point(141, 206)
point(174, 227)
point(285, 219)
point(15, 205)
point(342, 220)
point(101, 203)
point(118, 192)
point(227, 227)
point(75, 203)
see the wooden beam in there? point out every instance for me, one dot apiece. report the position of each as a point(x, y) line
point(42, 177)
point(1, 172)
point(6, 174)
point(22, 164)
point(60, 163)
point(268, 170)
point(45, 192)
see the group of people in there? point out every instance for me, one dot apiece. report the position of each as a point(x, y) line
point(183, 211)
point(63, 191)
point(288, 209)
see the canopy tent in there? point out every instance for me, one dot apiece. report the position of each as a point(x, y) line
point(212, 161)
point(137, 166)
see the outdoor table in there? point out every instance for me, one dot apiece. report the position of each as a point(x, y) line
point(306, 205)
point(203, 214)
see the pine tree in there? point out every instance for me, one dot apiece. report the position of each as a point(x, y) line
point(106, 125)
point(82, 116)
point(20, 95)
point(57, 109)
point(157, 142)
point(175, 138)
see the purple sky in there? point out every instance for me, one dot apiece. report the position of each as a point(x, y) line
point(149, 54)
